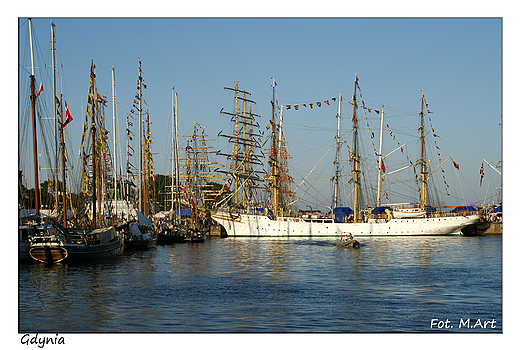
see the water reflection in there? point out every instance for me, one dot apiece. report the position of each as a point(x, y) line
point(265, 285)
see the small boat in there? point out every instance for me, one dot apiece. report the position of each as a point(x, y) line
point(348, 241)
point(139, 237)
point(195, 236)
point(171, 235)
point(47, 249)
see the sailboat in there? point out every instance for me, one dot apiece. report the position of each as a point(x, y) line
point(174, 230)
point(94, 239)
point(139, 233)
point(275, 222)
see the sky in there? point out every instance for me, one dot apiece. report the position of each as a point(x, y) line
point(457, 62)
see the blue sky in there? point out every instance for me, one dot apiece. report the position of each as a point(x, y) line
point(456, 62)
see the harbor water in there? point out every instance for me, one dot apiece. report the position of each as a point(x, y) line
point(389, 284)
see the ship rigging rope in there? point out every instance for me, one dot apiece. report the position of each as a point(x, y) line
point(301, 183)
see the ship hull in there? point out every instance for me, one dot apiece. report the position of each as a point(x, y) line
point(248, 225)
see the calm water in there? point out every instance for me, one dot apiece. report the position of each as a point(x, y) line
point(389, 284)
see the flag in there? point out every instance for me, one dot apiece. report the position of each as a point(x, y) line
point(429, 111)
point(319, 104)
point(327, 102)
point(481, 173)
point(102, 101)
point(383, 166)
point(41, 89)
point(435, 135)
point(296, 107)
point(311, 105)
point(288, 106)
point(69, 117)
point(455, 164)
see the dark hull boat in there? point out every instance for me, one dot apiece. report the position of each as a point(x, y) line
point(351, 243)
point(58, 244)
point(138, 238)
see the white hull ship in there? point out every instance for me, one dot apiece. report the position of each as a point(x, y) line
point(252, 225)
point(420, 220)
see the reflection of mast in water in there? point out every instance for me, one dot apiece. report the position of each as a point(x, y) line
point(244, 160)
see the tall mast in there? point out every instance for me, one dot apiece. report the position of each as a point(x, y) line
point(336, 161)
point(33, 110)
point(274, 157)
point(62, 137)
point(140, 184)
point(422, 161)
point(115, 136)
point(177, 164)
point(94, 156)
point(380, 169)
point(355, 156)
point(173, 152)
point(55, 118)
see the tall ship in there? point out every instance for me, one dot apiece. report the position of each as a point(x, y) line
point(276, 218)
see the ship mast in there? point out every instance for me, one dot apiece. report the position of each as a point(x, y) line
point(140, 182)
point(62, 138)
point(336, 161)
point(33, 111)
point(274, 159)
point(422, 160)
point(94, 156)
point(115, 135)
point(355, 157)
point(380, 167)
point(55, 118)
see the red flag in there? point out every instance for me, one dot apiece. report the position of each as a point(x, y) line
point(102, 101)
point(435, 135)
point(67, 113)
point(383, 166)
point(455, 164)
point(481, 173)
point(41, 89)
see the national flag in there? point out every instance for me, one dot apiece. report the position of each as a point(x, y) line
point(288, 106)
point(67, 114)
point(41, 89)
point(455, 164)
point(327, 102)
point(311, 105)
point(481, 173)
point(296, 107)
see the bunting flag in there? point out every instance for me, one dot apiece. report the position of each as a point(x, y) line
point(383, 166)
point(41, 89)
point(69, 117)
point(435, 135)
point(455, 164)
point(481, 173)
